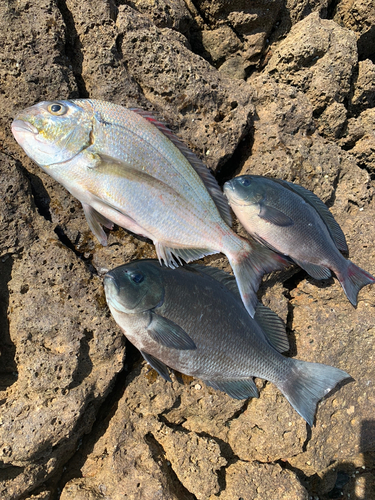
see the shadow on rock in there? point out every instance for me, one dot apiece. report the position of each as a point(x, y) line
point(8, 370)
point(84, 365)
point(349, 480)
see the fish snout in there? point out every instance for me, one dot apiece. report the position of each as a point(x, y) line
point(110, 288)
point(232, 193)
point(20, 127)
point(228, 188)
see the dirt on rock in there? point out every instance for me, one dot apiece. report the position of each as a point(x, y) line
point(284, 89)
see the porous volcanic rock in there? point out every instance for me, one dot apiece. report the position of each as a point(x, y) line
point(358, 16)
point(320, 64)
point(283, 89)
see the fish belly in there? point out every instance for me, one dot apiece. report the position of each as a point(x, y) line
point(145, 206)
point(306, 240)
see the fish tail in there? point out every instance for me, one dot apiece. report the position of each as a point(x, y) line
point(308, 384)
point(249, 264)
point(353, 279)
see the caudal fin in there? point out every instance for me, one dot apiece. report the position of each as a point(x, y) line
point(307, 384)
point(249, 265)
point(353, 279)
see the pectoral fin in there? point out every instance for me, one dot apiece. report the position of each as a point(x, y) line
point(95, 221)
point(112, 166)
point(274, 216)
point(168, 334)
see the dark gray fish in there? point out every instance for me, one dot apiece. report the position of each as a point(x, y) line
point(294, 222)
point(192, 320)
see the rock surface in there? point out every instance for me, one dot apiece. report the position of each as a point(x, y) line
point(284, 89)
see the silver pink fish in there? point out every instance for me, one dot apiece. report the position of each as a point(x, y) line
point(127, 168)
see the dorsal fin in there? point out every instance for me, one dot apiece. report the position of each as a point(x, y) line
point(204, 173)
point(334, 229)
point(221, 276)
point(272, 326)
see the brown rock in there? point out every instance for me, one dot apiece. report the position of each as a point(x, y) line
point(96, 56)
point(332, 121)
point(33, 64)
point(360, 139)
point(251, 22)
point(67, 355)
point(257, 481)
point(221, 42)
point(127, 450)
point(17, 210)
point(285, 146)
point(184, 86)
point(269, 429)
point(320, 64)
point(234, 67)
point(196, 467)
point(364, 89)
point(60, 351)
point(359, 16)
point(297, 10)
point(175, 14)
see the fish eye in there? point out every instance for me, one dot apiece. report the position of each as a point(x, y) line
point(137, 277)
point(245, 181)
point(57, 109)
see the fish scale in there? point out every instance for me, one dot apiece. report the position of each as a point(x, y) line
point(188, 319)
point(293, 221)
point(129, 169)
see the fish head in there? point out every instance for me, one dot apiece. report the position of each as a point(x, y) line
point(135, 287)
point(244, 190)
point(53, 132)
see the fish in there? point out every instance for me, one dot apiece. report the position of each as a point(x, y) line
point(129, 169)
point(191, 319)
point(293, 221)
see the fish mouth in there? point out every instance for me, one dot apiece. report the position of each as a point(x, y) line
point(230, 193)
point(112, 294)
point(21, 126)
point(228, 186)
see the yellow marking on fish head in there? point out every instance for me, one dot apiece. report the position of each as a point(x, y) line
point(53, 132)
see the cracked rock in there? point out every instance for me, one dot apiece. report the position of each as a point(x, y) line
point(320, 64)
point(364, 90)
point(359, 16)
point(196, 467)
point(256, 481)
point(184, 86)
point(77, 420)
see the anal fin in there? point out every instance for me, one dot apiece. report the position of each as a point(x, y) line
point(172, 256)
point(243, 388)
point(315, 271)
